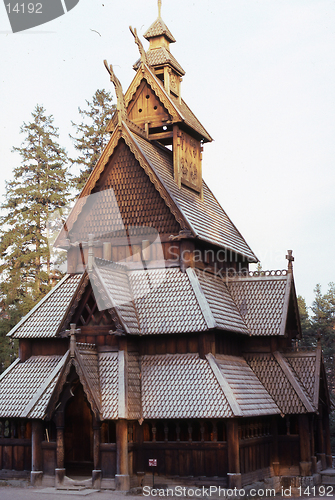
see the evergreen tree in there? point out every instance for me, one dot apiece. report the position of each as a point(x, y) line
point(91, 135)
point(323, 321)
point(309, 335)
point(38, 188)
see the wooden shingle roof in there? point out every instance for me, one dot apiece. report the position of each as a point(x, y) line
point(159, 28)
point(25, 388)
point(262, 302)
point(164, 386)
point(47, 317)
point(274, 372)
point(205, 217)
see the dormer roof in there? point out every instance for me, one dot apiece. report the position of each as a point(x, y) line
point(159, 28)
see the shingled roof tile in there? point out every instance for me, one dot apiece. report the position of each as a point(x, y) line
point(108, 376)
point(223, 308)
point(165, 302)
point(19, 386)
point(45, 319)
point(276, 382)
point(261, 302)
point(181, 386)
point(204, 216)
point(251, 396)
point(159, 28)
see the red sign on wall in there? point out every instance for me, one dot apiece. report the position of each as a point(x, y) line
point(152, 462)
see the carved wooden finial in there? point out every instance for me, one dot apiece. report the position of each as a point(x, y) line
point(138, 42)
point(72, 332)
point(121, 105)
point(290, 259)
point(159, 8)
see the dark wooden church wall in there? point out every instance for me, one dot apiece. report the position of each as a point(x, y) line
point(256, 444)
point(182, 448)
point(288, 441)
point(15, 445)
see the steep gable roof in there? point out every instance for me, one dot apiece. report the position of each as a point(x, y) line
point(205, 217)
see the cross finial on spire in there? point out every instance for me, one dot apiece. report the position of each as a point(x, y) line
point(290, 259)
point(159, 8)
point(72, 334)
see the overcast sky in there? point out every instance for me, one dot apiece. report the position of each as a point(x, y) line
point(260, 76)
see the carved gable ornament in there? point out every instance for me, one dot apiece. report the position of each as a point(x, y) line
point(187, 153)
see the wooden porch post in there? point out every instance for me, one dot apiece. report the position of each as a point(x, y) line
point(96, 473)
point(234, 475)
point(122, 481)
point(36, 452)
point(305, 446)
point(275, 449)
point(60, 470)
point(96, 444)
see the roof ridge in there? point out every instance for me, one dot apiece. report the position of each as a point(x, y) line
point(225, 387)
point(201, 298)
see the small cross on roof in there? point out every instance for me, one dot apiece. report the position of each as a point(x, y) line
point(290, 259)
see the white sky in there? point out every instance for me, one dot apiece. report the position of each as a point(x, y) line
point(260, 76)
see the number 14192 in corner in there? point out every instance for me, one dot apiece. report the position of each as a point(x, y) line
point(24, 8)
point(312, 491)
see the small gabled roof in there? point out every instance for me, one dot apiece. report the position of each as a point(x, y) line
point(306, 366)
point(25, 388)
point(263, 301)
point(159, 28)
point(225, 313)
point(178, 110)
point(45, 320)
point(279, 379)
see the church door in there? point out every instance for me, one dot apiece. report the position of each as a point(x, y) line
point(78, 435)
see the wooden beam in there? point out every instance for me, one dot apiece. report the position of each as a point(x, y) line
point(36, 449)
point(305, 441)
point(233, 446)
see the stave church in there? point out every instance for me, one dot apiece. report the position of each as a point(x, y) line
point(159, 350)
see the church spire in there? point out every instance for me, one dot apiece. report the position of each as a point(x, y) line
point(159, 8)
